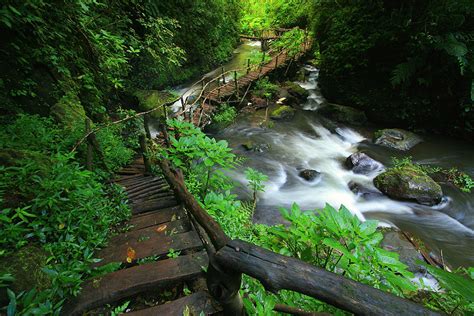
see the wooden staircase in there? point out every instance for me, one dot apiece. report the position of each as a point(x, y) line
point(158, 225)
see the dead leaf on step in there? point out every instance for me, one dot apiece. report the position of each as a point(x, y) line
point(131, 254)
point(161, 228)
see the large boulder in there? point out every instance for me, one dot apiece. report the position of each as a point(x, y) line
point(362, 163)
point(364, 190)
point(296, 90)
point(149, 99)
point(288, 98)
point(309, 174)
point(283, 112)
point(26, 266)
point(396, 138)
point(69, 111)
point(409, 183)
point(343, 114)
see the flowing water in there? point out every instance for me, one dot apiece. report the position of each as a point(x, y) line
point(310, 141)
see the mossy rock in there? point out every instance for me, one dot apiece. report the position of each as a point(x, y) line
point(26, 267)
point(69, 111)
point(344, 114)
point(296, 90)
point(409, 183)
point(283, 112)
point(149, 99)
point(10, 157)
point(396, 138)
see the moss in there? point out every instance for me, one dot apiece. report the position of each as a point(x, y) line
point(378, 134)
point(26, 266)
point(69, 110)
point(149, 99)
point(282, 112)
point(296, 90)
point(409, 183)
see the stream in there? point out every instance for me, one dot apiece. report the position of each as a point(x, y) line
point(310, 141)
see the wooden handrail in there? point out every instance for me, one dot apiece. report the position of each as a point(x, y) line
point(277, 272)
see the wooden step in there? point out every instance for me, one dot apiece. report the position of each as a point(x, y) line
point(177, 226)
point(154, 205)
point(156, 245)
point(128, 282)
point(196, 303)
point(161, 216)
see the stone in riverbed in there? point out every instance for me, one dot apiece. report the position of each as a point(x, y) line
point(296, 90)
point(283, 112)
point(409, 183)
point(365, 191)
point(343, 114)
point(309, 174)
point(258, 102)
point(252, 146)
point(396, 138)
point(362, 163)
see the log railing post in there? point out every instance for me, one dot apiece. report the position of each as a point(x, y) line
point(276, 61)
point(146, 125)
point(90, 148)
point(236, 84)
point(248, 65)
point(144, 150)
point(223, 75)
point(224, 286)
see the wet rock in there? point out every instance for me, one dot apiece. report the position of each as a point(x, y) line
point(394, 240)
point(283, 112)
point(362, 163)
point(69, 111)
point(396, 138)
point(365, 191)
point(409, 183)
point(26, 267)
point(309, 174)
point(343, 114)
point(296, 90)
point(252, 146)
point(258, 102)
point(289, 99)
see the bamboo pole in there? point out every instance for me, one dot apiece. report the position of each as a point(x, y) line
point(236, 84)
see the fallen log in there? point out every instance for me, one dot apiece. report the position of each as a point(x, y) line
point(277, 272)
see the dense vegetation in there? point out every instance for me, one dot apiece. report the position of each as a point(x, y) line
point(408, 63)
point(97, 54)
point(65, 62)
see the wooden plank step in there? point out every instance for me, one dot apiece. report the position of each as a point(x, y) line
point(151, 197)
point(177, 226)
point(152, 187)
point(125, 178)
point(154, 205)
point(196, 303)
point(128, 282)
point(143, 184)
point(135, 180)
point(157, 245)
point(156, 217)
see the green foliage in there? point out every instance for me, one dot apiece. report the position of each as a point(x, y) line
point(339, 241)
point(258, 58)
point(201, 158)
point(458, 298)
point(458, 178)
point(49, 199)
point(291, 42)
point(255, 183)
point(408, 63)
point(262, 15)
point(264, 88)
point(225, 115)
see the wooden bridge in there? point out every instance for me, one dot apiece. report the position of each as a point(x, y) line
point(172, 242)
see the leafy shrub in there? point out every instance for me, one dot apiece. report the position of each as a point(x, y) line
point(49, 199)
point(225, 115)
point(264, 88)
